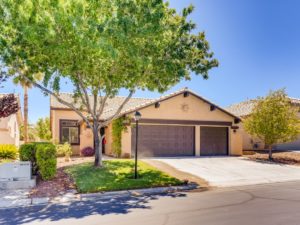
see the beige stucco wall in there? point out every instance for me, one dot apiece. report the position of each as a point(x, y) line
point(176, 108)
point(86, 135)
point(249, 141)
point(187, 108)
point(9, 130)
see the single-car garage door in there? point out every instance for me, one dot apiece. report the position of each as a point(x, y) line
point(213, 141)
point(164, 140)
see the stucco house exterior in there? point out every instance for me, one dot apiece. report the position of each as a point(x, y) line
point(244, 109)
point(10, 127)
point(179, 124)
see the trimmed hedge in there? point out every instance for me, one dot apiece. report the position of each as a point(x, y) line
point(27, 153)
point(46, 160)
point(8, 151)
point(43, 158)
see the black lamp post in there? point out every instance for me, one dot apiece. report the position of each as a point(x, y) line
point(137, 117)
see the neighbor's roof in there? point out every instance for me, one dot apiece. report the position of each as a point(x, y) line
point(245, 108)
point(134, 104)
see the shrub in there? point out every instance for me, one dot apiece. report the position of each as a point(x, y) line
point(88, 151)
point(46, 160)
point(27, 153)
point(8, 151)
point(64, 150)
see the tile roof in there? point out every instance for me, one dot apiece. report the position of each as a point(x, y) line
point(245, 108)
point(110, 108)
point(134, 104)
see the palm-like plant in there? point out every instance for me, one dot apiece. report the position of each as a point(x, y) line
point(20, 80)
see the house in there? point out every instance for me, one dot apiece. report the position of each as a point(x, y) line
point(244, 109)
point(179, 124)
point(10, 127)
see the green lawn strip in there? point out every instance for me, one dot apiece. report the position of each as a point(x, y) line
point(6, 160)
point(118, 175)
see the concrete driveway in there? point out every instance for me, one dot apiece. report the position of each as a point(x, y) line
point(233, 171)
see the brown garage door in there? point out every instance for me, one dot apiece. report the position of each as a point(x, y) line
point(163, 140)
point(213, 141)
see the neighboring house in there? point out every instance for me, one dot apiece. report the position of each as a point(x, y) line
point(179, 124)
point(243, 110)
point(10, 127)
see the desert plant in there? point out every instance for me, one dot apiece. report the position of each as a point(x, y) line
point(8, 151)
point(88, 151)
point(46, 160)
point(64, 150)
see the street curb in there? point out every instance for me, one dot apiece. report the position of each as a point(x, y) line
point(71, 197)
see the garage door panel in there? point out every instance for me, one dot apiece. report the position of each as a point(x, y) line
point(164, 140)
point(213, 141)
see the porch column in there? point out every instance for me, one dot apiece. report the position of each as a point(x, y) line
point(197, 140)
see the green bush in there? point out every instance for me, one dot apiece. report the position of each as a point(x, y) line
point(8, 151)
point(40, 155)
point(27, 153)
point(64, 150)
point(46, 160)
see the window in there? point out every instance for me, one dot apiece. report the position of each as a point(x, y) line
point(69, 132)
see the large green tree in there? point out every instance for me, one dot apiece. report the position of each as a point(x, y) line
point(42, 128)
point(101, 47)
point(274, 120)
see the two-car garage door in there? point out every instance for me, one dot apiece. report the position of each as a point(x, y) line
point(167, 140)
point(164, 140)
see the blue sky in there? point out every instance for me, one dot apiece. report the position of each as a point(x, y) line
point(256, 42)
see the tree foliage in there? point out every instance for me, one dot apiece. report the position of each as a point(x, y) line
point(101, 47)
point(274, 120)
point(8, 105)
point(42, 128)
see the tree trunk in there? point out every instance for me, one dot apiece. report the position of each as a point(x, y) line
point(25, 114)
point(98, 147)
point(270, 153)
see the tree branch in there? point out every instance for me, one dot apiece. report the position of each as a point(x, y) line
point(102, 105)
point(59, 99)
point(87, 100)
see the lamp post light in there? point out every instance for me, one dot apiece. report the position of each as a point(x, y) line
point(137, 117)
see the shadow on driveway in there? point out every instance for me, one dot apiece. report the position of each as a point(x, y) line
point(78, 209)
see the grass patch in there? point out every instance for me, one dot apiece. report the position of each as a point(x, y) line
point(6, 160)
point(118, 175)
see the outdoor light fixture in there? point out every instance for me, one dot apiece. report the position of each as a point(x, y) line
point(137, 117)
point(237, 120)
point(186, 94)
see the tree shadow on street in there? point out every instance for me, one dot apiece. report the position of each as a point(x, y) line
point(79, 209)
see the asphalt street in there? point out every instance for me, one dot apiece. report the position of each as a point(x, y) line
point(277, 203)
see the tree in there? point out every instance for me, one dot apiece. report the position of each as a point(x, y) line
point(20, 80)
point(274, 120)
point(32, 134)
point(42, 128)
point(101, 47)
point(8, 105)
